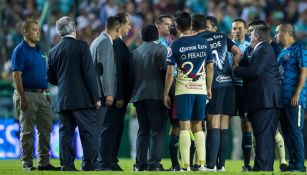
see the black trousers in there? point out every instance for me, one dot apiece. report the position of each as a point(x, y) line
point(152, 118)
point(86, 121)
point(264, 123)
point(111, 134)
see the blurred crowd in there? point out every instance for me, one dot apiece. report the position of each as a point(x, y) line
point(91, 17)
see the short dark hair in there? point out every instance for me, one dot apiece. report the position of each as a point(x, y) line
point(212, 20)
point(27, 23)
point(113, 23)
point(256, 23)
point(159, 19)
point(198, 22)
point(123, 16)
point(183, 20)
point(150, 33)
point(240, 20)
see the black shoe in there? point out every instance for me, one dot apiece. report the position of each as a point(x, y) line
point(116, 167)
point(156, 168)
point(103, 169)
point(283, 167)
point(68, 169)
point(174, 168)
point(48, 168)
point(247, 168)
point(28, 168)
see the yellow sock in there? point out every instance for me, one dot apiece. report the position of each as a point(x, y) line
point(280, 148)
point(184, 147)
point(200, 146)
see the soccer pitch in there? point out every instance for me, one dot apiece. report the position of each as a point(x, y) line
point(13, 167)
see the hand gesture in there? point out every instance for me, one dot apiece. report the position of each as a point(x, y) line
point(109, 100)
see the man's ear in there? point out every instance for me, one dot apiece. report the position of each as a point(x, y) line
point(215, 28)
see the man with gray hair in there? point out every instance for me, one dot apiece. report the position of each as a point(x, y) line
point(263, 96)
point(70, 67)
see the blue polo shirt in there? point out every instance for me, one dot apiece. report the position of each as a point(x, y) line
point(292, 59)
point(31, 61)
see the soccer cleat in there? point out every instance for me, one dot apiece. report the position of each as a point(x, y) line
point(283, 167)
point(195, 167)
point(247, 168)
point(185, 169)
point(208, 169)
point(221, 169)
point(201, 168)
point(174, 168)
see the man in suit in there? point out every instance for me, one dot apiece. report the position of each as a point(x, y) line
point(113, 125)
point(263, 96)
point(103, 58)
point(70, 67)
point(148, 72)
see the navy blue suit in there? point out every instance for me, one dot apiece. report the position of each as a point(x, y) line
point(70, 67)
point(263, 100)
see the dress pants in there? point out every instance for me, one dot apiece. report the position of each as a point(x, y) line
point(152, 117)
point(111, 134)
point(264, 123)
point(86, 121)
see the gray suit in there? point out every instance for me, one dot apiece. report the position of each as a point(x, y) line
point(148, 71)
point(103, 57)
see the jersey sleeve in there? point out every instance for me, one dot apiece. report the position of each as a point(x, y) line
point(229, 44)
point(170, 60)
point(303, 58)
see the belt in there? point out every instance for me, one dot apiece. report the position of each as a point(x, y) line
point(36, 90)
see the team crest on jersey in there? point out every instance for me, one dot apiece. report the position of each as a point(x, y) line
point(169, 52)
point(286, 57)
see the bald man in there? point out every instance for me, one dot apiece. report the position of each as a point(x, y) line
point(293, 60)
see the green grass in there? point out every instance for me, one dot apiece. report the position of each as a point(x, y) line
point(13, 167)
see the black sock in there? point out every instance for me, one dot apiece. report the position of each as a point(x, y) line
point(213, 146)
point(173, 149)
point(247, 146)
point(223, 147)
point(192, 152)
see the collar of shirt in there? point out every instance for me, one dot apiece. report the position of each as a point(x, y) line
point(163, 41)
point(35, 48)
point(257, 45)
point(109, 37)
point(70, 36)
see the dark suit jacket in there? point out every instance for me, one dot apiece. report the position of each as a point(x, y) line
point(70, 67)
point(261, 79)
point(148, 63)
point(122, 57)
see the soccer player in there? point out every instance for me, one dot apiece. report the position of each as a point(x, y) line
point(238, 32)
point(193, 56)
point(293, 60)
point(222, 104)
